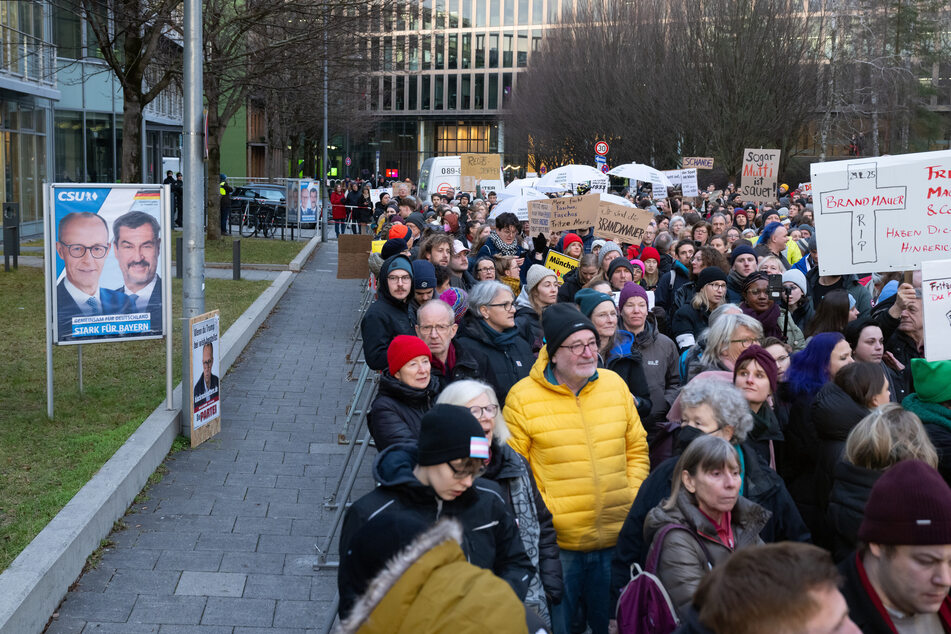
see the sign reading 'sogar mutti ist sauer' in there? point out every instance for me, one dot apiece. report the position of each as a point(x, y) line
point(884, 213)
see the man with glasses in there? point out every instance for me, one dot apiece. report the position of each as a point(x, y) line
point(388, 316)
point(432, 480)
point(579, 430)
point(82, 245)
point(206, 388)
point(436, 326)
point(137, 249)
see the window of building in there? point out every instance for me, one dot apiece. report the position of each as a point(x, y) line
point(460, 139)
point(438, 92)
point(387, 92)
point(388, 54)
point(453, 51)
point(451, 92)
point(479, 51)
point(425, 95)
point(374, 93)
point(552, 11)
point(67, 33)
point(100, 148)
point(506, 89)
point(480, 12)
point(413, 52)
point(440, 52)
point(493, 92)
point(495, 12)
point(454, 14)
point(399, 52)
point(427, 14)
point(468, 15)
point(400, 83)
point(413, 93)
point(493, 50)
point(466, 54)
point(464, 92)
point(507, 50)
point(427, 52)
point(537, 11)
point(509, 12)
point(439, 15)
point(478, 92)
point(521, 55)
point(98, 14)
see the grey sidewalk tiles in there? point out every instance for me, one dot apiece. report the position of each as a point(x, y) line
point(224, 544)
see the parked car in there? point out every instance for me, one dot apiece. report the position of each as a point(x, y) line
point(261, 201)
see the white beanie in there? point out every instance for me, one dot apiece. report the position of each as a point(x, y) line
point(535, 275)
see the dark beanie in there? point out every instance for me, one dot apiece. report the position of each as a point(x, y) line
point(764, 359)
point(451, 432)
point(741, 250)
point(710, 274)
point(632, 289)
point(392, 247)
point(910, 505)
point(617, 263)
point(424, 275)
point(561, 321)
point(755, 276)
point(588, 299)
point(854, 330)
point(417, 219)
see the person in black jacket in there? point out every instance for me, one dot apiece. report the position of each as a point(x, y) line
point(406, 392)
point(678, 275)
point(440, 479)
point(489, 334)
point(708, 406)
point(388, 316)
point(932, 403)
point(692, 319)
point(576, 279)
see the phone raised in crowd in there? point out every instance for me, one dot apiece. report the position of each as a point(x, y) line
point(775, 286)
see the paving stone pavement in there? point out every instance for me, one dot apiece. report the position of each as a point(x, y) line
point(224, 544)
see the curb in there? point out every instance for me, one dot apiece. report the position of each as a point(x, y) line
point(298, 262)
point(38, 579)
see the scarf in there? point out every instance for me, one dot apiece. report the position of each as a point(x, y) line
point(769, 318)
point(736, 280)
point(499, 339)
point(501, 247)
point(446, 368)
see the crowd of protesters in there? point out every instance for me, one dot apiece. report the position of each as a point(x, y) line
point(768, 440)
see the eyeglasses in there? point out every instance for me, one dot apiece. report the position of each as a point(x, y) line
point(755, 292)
point(782, 357)
point(503, 305)
point(440, 328)
point(399, 279)
point(98, 251)
point(473, 471)
point(485, 269)
point(578, 348)
point(719, 286)
point(746, 343)
point(488, 410)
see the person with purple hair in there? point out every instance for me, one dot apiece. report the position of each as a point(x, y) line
point(810, 369)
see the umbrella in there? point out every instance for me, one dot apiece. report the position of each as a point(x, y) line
point(520, 191)
point(617, 200)
point(568, 177)
point(518, 183)
point(517, 205)
point(640, 172)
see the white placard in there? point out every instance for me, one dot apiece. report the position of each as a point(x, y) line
point(688, 183)
point(936, 304)
point(673, 176)
point(890, 213)
point(658, 189)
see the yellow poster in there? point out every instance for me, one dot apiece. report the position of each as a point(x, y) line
point(561, 264)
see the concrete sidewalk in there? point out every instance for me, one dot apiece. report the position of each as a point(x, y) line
point(224, 544)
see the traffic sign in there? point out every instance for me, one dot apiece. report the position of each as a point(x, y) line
point(543, 170)
point(601, 148)
point(600, 160)
point(347, 161)
point(604, 168)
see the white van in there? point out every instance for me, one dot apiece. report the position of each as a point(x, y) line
point(442, 173)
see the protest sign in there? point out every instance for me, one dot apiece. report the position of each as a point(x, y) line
point(353, 252)
point(539, 217)
point(658, 188)
point(805, 189)
point(688, 183)
point(885, 213)
point(936, 305)
point(673, 176)
point(204, 339)
point(561, 264)
point(375, 194)
point(760, 176)
point(377, 246)
point(573, 212)
point(621, 224)
point(698, 162)
point(477, 167)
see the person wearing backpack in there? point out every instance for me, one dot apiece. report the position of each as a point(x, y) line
point(712, 518)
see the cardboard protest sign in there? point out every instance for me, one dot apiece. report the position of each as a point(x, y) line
point(204, 379)
point(574, 212)
point(698, 162)
point(885, 213)
point(622, 224)
point(760, 175)
point(478, 167)
point(688, 182)
point(353, 253)
point(561, 264)
point(936, 305)
point(539, 217)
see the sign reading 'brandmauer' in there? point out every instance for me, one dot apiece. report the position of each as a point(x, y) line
point(622, 224)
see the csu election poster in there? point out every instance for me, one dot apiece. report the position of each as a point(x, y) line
point(106, 262)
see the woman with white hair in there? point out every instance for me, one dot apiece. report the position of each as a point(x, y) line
point(511, 472)
point(709, 406)
point(726, 338)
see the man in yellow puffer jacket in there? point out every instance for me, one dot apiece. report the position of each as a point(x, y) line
point(578, 427)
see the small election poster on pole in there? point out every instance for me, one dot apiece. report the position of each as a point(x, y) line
point(888, 213)
point(573, 212)
point(688, 183)
point(622, 224)
point(539, 217)
point(561, 264)
point(760, 176)
point(936, 306)
point(205, 349)
point(476, 168)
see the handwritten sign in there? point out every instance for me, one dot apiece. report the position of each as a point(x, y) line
point(892, 212)
point(539, 217)
point(760, 175)
point(674, 177)
point(622, 224)
point(658, 188)
point(688, 182)
point(477, 167)
point(561, 264)
point(698, 162)
point(573, 212)
point(805, 189)
point(936, 305)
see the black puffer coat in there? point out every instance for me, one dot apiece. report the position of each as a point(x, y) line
point(501, 365)
point(386, 318)
point(570, 286)
point(397, 411)
point(851, 487)
point(834, 415)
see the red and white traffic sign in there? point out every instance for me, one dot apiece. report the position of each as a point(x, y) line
point(347, 161)
point(605, 168)
point(601, 148)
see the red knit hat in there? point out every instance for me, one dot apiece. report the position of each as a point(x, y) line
point(403, 349)
point(909, 505)
point(398, 231)
point(650, 253)
point(633, 251)
point(569, 239)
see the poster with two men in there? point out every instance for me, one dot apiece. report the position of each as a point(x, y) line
point(107, 262)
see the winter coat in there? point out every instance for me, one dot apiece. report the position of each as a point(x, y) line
point(490, 535)
point(464, 368)
point(850, 283)
point(660, 359)
point(801, 449)
point(397, 411)
point(804, 313)
point(627, 361)
point(851, 487)
point(761, 485)
point(528, 322)
point(513, 475)
point(338, 201)
point(688, 324)
point(682, 563)
point(588, 451)
point(501, 365)
point(430, 587)
point(834, 415)
point(668, 285)
point(766, 437)
point(386, 318)
point(683, 296)
point(937, 421)
point(571, 284)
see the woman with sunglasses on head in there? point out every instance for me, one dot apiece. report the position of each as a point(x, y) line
point(432, 480)
point(511, 472)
